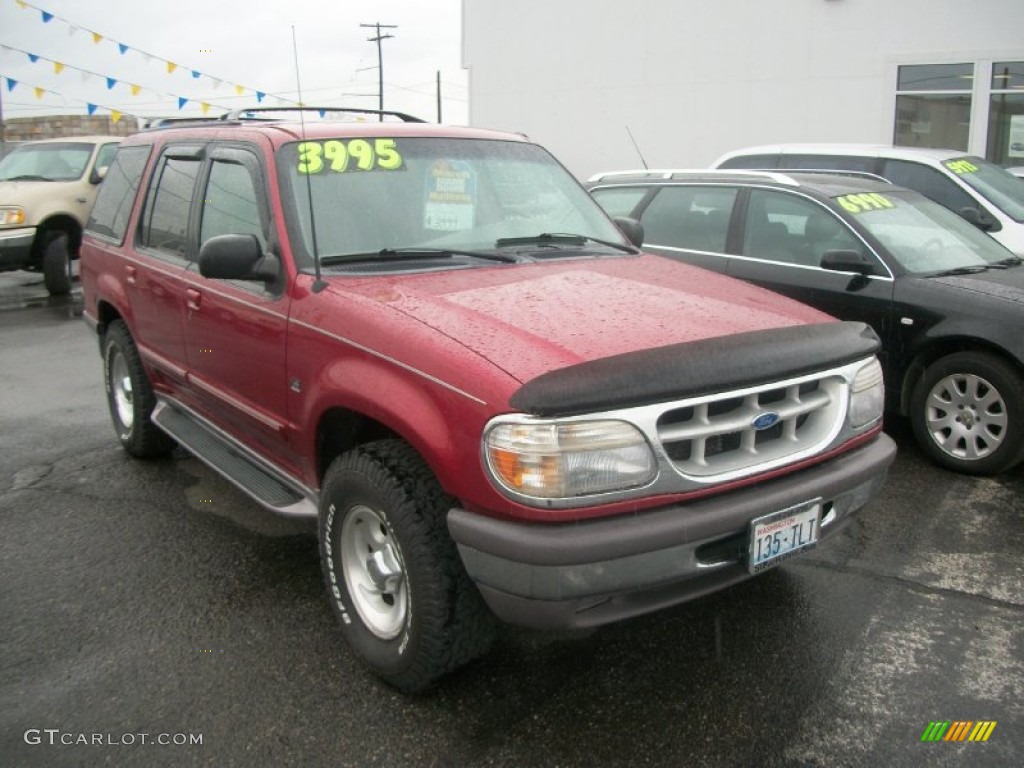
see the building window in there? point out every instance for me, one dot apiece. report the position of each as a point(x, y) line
point(1006, 114)
point(933, 105)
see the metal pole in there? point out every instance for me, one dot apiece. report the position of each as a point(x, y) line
point(439, 96)
point(380, 59)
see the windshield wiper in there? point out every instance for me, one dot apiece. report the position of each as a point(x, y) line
point(27, 177)
point(1009, 261)
point(560, 238)
point(415, 252)
point(972, 270)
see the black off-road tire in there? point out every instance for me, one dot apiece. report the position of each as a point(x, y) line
point(57, 264)
point(967, 411)
point(383, 512)
point(130, 396)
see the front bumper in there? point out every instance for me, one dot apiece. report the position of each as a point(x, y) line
point(593, 572)
point(16, 248)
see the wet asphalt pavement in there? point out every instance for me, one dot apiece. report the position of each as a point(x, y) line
point(150, 601)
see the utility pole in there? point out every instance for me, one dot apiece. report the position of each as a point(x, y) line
point(380, 58)
point(439, 97)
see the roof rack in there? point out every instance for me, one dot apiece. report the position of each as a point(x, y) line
point(682, 173)
point(250, 114)
point(837, 172)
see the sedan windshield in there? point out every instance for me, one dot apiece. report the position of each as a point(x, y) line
point(46, 162)
point(923, 236)
point(373, 198)
point(995, 184)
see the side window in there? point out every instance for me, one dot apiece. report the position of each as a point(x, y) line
point(116, 197)
point(230, 205)
point(791, 229)
point(105, 155)
point(689, 217)
point(619, 201)
point(929, 182)
point(762, 162)
point(165, 220)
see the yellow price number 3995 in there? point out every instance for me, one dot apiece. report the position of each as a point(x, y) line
point(353, 155)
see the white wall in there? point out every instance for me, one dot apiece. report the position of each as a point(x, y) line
point(693, 79)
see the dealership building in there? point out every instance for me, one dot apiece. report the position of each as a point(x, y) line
point(676, 83)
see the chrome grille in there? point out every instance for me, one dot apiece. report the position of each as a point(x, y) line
point(716, 435)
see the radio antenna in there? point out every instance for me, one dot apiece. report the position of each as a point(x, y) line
point(318, 283)
point(636, 147)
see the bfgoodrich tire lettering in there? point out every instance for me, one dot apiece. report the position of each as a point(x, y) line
point(967, 411)
point(395, 580)
point(130, 396)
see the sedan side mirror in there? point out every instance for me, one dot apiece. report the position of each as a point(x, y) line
point(236, 257)
point(847, 261)
point(979, 218)
point(632, 229)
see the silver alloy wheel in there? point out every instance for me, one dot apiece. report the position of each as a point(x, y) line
point(121, 388)
point(966, 416)
point(374, 572)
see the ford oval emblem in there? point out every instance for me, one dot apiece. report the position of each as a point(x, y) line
point(765, 420)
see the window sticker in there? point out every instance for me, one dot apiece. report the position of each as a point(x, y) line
point(865, 201)
point(960, 167)
point(342, 156)
point(450, 202)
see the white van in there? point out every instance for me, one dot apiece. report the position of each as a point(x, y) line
point(982, 192)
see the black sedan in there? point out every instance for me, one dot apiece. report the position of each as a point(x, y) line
point(946, 299)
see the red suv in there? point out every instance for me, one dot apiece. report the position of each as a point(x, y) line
point(433, 340)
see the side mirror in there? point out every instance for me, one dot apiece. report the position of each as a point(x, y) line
point(847, 261)
point(98, 174)
point(632, 229)
point(979, 218)
point(236, 257)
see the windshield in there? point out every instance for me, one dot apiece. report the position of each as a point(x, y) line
point(46, 162)
point(995, 184)
point(437, 194)
point(921, 235)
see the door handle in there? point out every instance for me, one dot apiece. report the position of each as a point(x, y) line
point(130, 273)
point(193, 299)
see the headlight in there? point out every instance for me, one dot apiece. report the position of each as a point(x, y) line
point(867, 395)
point(11, 217)
point(552, 460)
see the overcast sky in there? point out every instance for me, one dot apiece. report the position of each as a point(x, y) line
point(227, 44)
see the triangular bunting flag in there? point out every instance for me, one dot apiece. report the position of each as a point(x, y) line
point(182, 101)
point(111, 82)
point(47, 17)
point(39, 92)
point(259, 97)
point(11, 82)
point(136, 89)
point(57, 67)
point(115, 115)
point(32, 57)
point(204, 106)
point(239, 89)
point(323, 112)
point(21, 4)
point(96, 37)
point(196, 75)
point(171, 66)
point(122, 48)
point(90, 108)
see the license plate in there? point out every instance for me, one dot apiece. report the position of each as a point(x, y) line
point(782, 535)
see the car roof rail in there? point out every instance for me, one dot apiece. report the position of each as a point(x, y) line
point(156, 123)
point(682, 173)
point(240, 115)
point(838, 172)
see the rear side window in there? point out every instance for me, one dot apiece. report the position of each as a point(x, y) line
point(752, 162)
point(929, 182)
point(165, 220)
point(696, 218)
point(231, 203)
point(114, 201)
point(619, 201)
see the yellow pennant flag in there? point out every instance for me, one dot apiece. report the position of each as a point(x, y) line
point(239, 89)
point(115, 115)
point(171, 66)
point(58, 67)
point(136, 89)
point(39, 92)
point(21, 4)
point(96, 37)
point(204, 106)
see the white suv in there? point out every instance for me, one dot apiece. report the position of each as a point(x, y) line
point(983, 193)
point(47, 189)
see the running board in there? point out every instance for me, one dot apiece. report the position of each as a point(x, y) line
point(234, 463)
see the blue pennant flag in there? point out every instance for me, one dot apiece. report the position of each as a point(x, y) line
point(90, 108)
point(47, 17)
point(11, 82)
point(196, 75)
point(111, 82)
point(182, 101)
point(122, 48)
point(32, 57)
point(259, 97)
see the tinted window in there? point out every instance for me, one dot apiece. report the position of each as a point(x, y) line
point(619, 201)
point(751, 162)
point(105, 155)
point(230, 205)
point(929, 182)
point(828, 163)
point(165, 224)
point(116, 196)
point(787, 228)
point(689, 217)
